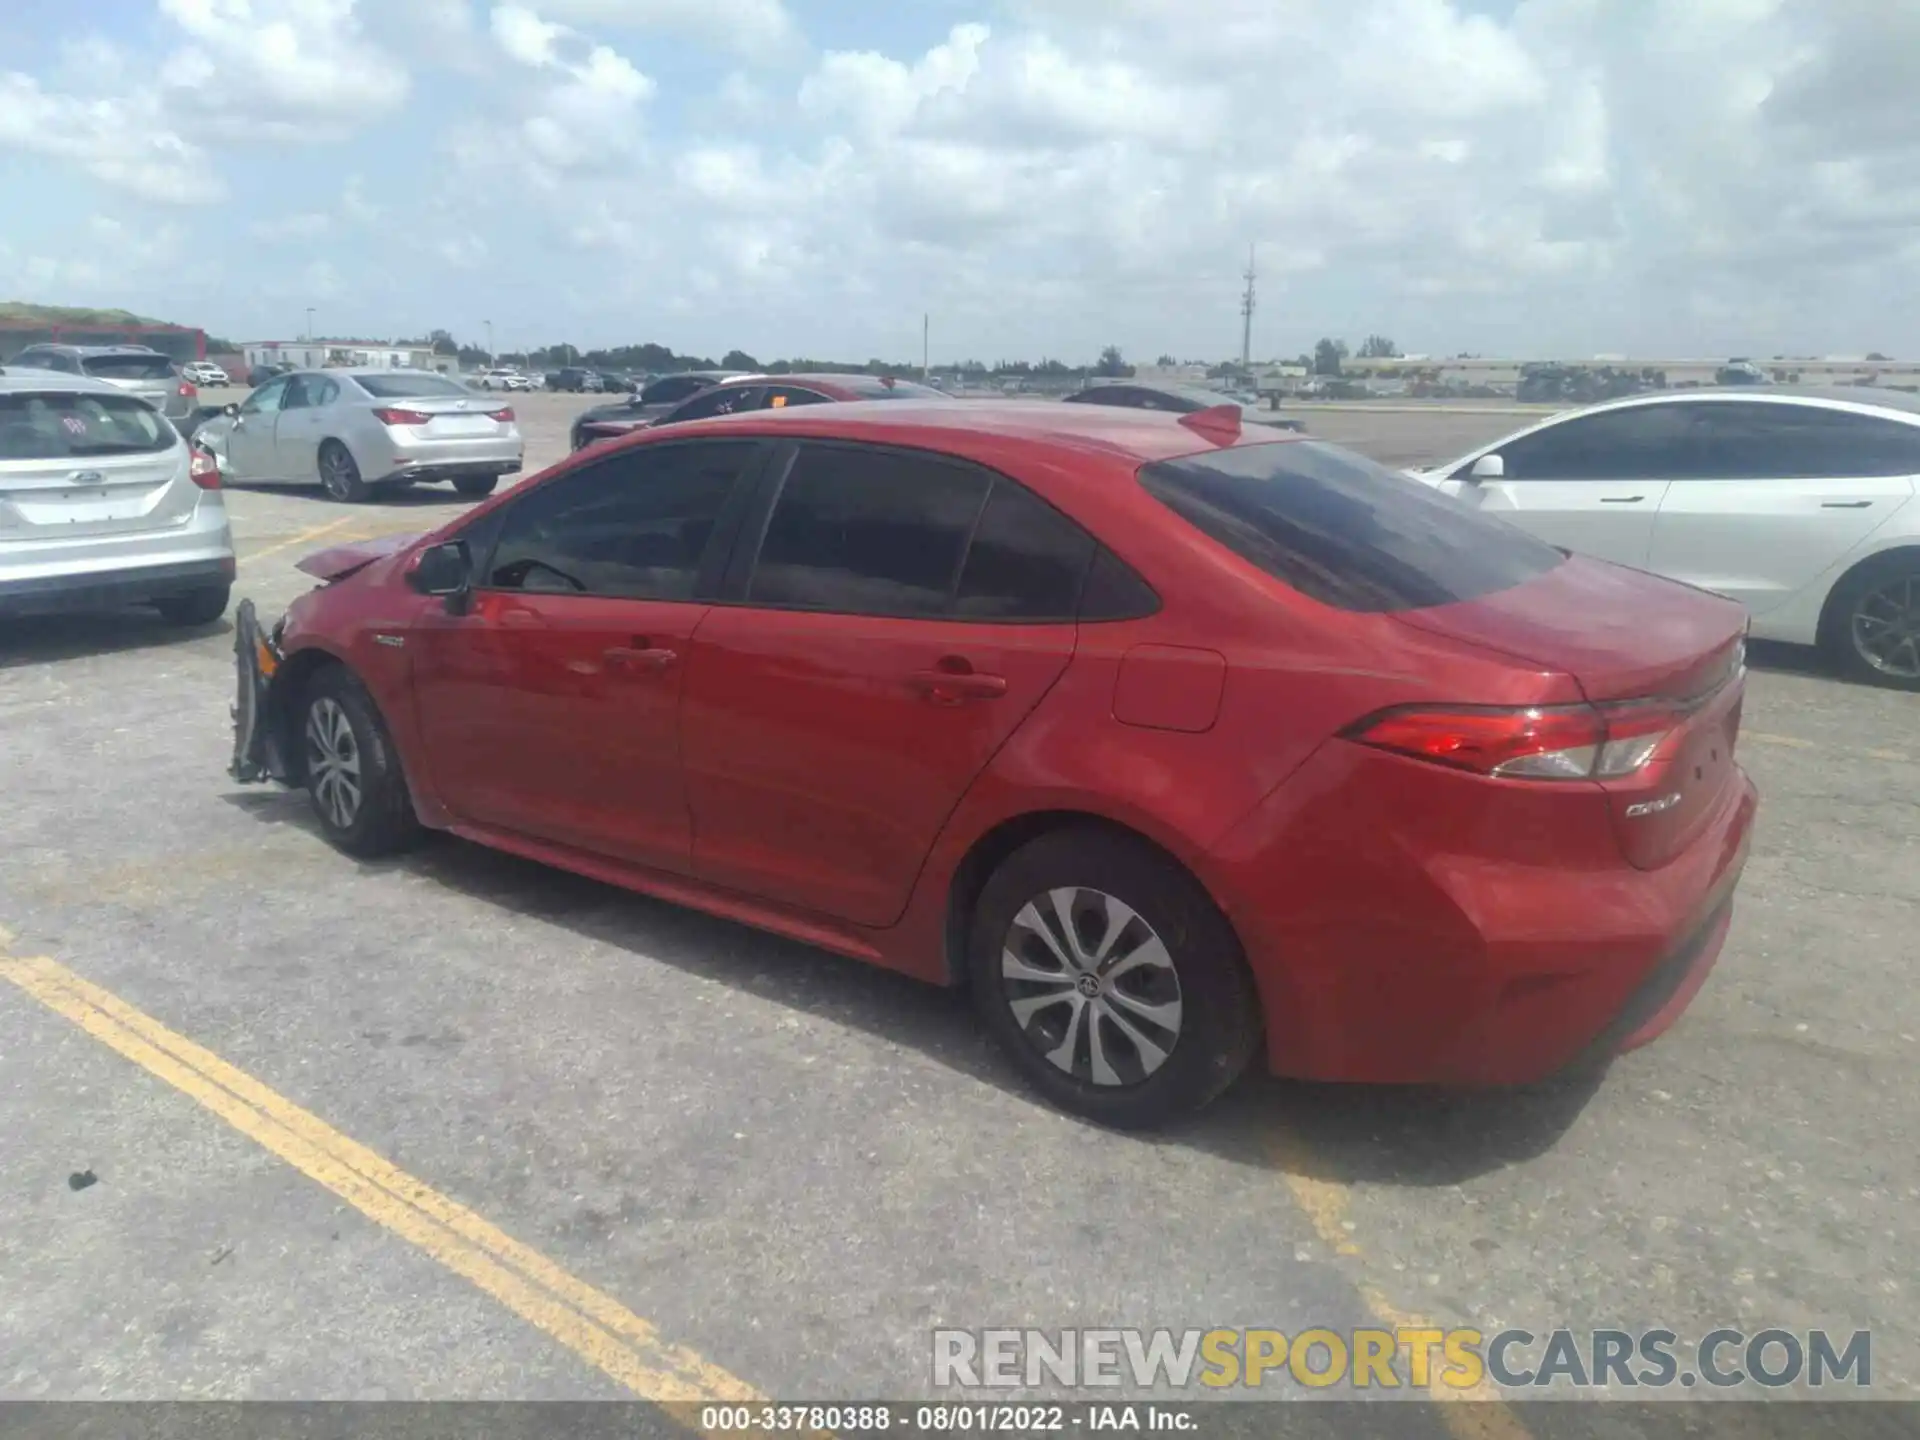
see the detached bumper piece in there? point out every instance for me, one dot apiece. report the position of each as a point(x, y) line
point(256, 660)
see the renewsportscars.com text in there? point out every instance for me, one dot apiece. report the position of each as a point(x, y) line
point(1387, 1359)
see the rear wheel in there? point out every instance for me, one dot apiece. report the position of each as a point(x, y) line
point(1111, 978)
point(339, 475)
point(475, 485)
point(1873, 623)
point(353, 775)
point(196, 607)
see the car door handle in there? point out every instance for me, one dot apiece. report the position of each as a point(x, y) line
point(1621, 499)
point(640, 656)
point(952, 687)
point(1845, 504)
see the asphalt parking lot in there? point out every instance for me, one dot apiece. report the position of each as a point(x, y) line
point(782, 1170)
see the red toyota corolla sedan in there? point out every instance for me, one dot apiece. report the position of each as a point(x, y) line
point(1171, 741)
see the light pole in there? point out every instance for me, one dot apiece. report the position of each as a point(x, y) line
point(310, 324)
point(489, 325)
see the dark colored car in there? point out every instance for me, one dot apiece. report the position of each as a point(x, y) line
point(614, 383)
point(767, 392)
point(261, 374)
point(1173, 400)
point(653, 400)
point(1176, 739)
point(575, 379)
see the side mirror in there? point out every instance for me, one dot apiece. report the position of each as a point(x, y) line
point(1488, 467)
point(445, 569)
point(230, 410)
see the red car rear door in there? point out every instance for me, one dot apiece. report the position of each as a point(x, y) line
point(899, 619)
point(550, 707)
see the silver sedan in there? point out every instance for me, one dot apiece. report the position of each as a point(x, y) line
point(358, 430)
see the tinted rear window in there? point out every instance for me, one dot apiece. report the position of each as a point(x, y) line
point(878, 389)
point(408, 385)
point(128, 367)
point(1344, 531)
point(56, 426)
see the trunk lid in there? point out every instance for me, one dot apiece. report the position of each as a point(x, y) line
point(451, 417)
point(1622, 634)
point(1626, 636)
point(74, 465)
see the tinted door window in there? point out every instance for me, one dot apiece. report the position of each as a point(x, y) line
point(299, 393)
point(1796, 442)
point(729, 400)
point(867, 532)
point(1644, 442)
point(635, 525)
point(780, 397)
point(1345, 531)
point(1027, 560)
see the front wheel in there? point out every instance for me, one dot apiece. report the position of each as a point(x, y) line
point(475, 486)
point(1873, 628)
point(1111, 978)
point(354, 781)
point(340, 475)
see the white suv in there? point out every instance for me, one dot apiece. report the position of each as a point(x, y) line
point(204, 372)
point(503, 380)
point(102, 503)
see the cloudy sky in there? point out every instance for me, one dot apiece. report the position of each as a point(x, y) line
point(1043, 177)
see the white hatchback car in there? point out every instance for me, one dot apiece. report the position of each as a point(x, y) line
point(102, 503)
point(1797, 503)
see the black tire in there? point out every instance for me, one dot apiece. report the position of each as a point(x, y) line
point(1219, 1027)
point(475, 485)
point(340, 474)
point(1840, 634)
point(196, 607)
point(381, 820)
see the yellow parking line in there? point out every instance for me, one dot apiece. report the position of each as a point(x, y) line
point(302, 538)
point(1475, 1414)
point(592, 1324)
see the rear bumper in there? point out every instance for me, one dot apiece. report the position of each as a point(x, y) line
point(445, 459)
point(1395, 942)
point(109, 589)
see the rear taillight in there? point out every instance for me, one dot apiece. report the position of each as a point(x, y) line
point(187, 389)
point(504, 414)
point(402, 417)
point(1558, 742)
point(205, 470)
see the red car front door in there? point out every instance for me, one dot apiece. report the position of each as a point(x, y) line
point(869, 670)
point(551, 707)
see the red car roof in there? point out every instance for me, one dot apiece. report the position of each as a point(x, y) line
point(975, 427)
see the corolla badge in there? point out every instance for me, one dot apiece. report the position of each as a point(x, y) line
point(88, 477)
point(459, 404)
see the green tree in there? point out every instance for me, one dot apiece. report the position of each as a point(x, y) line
point(1328, 356)
point(738, 360)
point(1112, 364)
point(1378, 347)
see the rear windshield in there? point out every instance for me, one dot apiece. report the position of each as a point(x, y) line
point(408, 385)
point(56, 425)
point(1344, 531)
point(128, 367)
point(878, 389)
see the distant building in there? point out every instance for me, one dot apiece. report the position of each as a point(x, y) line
point(320, 354)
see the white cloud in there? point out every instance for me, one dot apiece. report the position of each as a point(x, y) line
point(582, 115)
point(294, 69)
point(306, 226)
point(124, 142)
point(759, 30)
